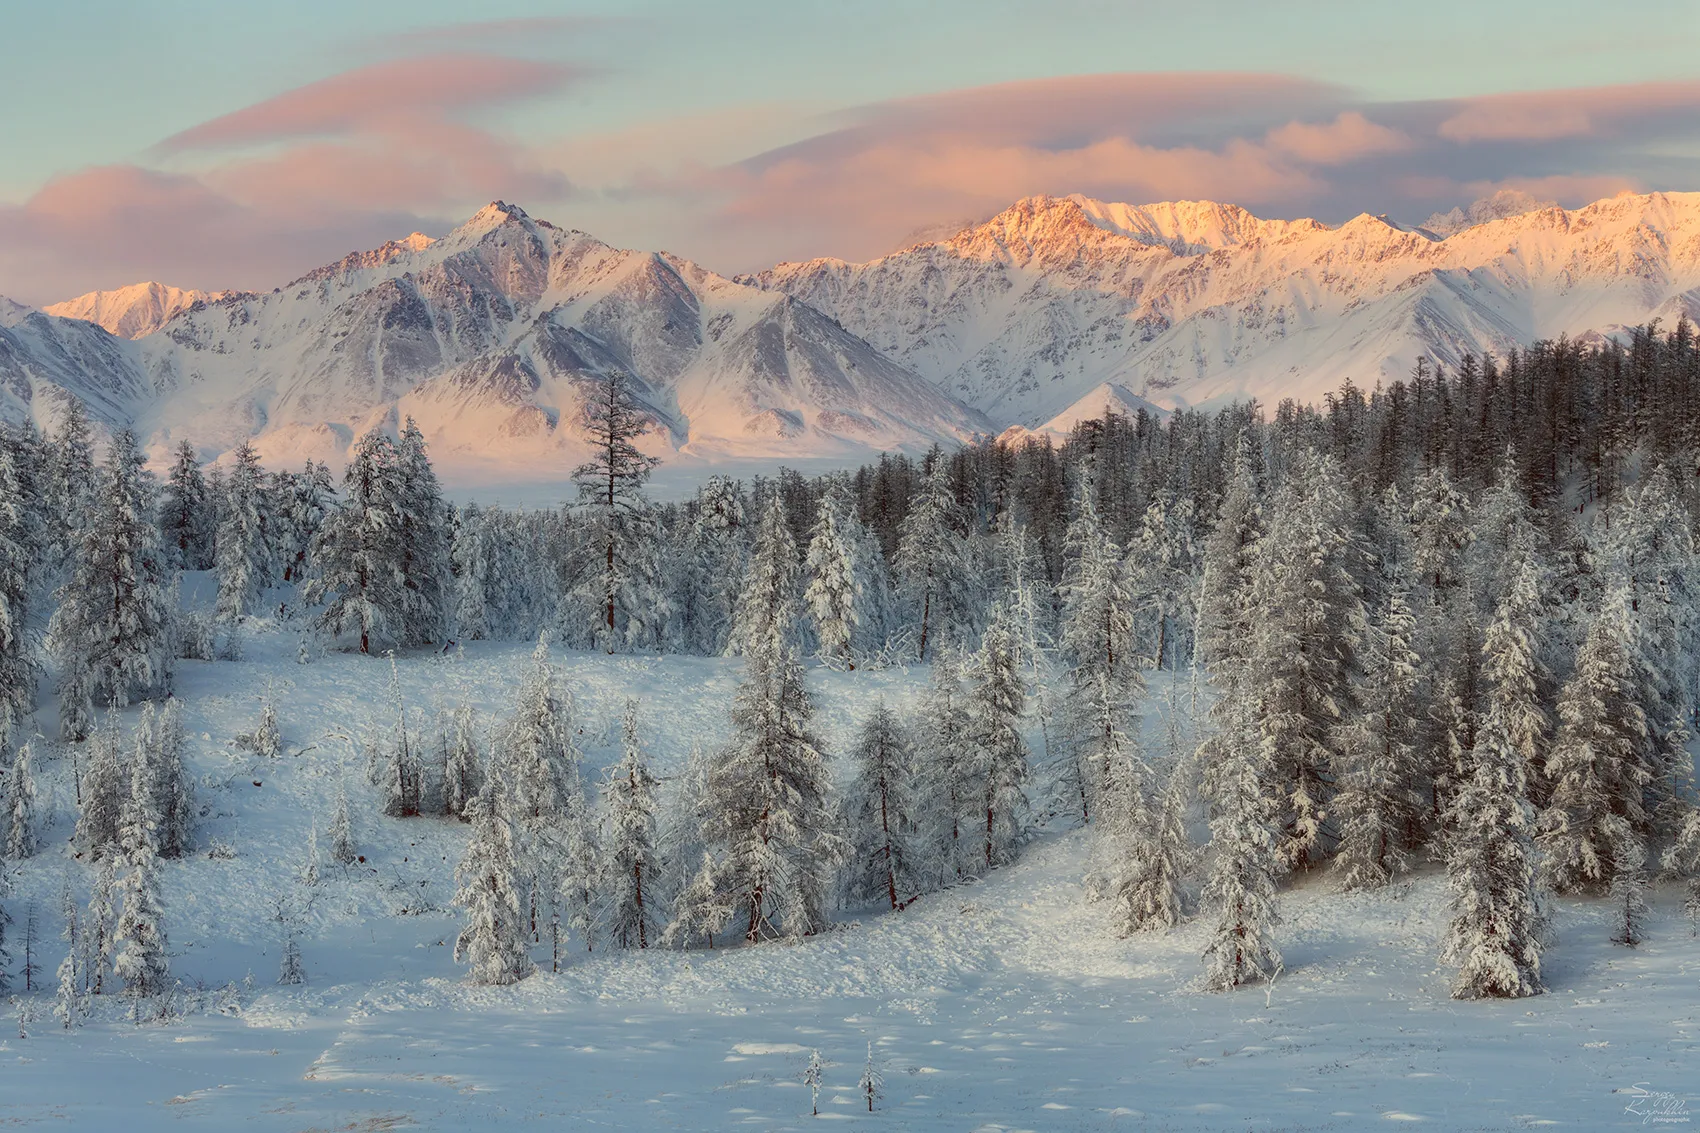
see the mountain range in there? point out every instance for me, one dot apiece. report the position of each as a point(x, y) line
point(1031, 320)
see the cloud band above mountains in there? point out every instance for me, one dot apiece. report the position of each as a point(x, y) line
point(256, 196)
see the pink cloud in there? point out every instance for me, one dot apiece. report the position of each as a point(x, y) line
point(1558, 114)
point(387, 96)
point(1349, 137)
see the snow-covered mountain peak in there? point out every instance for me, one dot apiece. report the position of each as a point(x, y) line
point(1497, 206)
point(133, 311)
point(1190, 227)
point(13, 312)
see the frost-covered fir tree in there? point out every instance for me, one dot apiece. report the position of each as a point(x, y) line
point(577, 857)
point(1378, 808)
point(767, 606)
point(617, 582)
point(1239, 887)
point(1157, 575)
point(473, 562)
point(71, 487)
point(1306, 624)
point(1439, 522)
point(1681, 860)
point(266, 740)
point(628, 796)
point(140, 959)
point(812, 1079)
point(538, 758)
point(112, 631)
point(186, 514)
point(1139, 870)
point(304, 500)
point(342, 830)
point(493, 942)
point(1505, 529)
point(424, 530)
point(682, 842)
point(701, 911)
point(713, 566)
point(357, 554)
point(946, 786)
point(1511, 671)
point(833, 593)
point(769, 808)
point(997, 701)
point(244, 546)
point(881, 813)
point(463, 768)
point(872, 1082)
point(20, 539)
point(1228, 560)
point(929, 561)
point(1596, 823)
point(102, 793)
point(173, 789)
point(17, 808)
point(401, 773)
point(1495, 934)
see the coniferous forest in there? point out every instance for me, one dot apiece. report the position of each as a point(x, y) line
point(1449, 625)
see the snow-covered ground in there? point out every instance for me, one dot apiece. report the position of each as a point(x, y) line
point(1005, 1004)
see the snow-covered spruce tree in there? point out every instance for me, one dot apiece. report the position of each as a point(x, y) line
point(463, 768)
point(266, 740)
point(767, 606)
point(473, 561)
point(402, 774)
point(71, 488)
point(140, 958)
point(244, 548)
point(1682, 860)
point(929, 561)
point(628, 797)
point(1378, 808)
point(701, 910)
point(1505, 529)
point(1596, 823)
point(997, 701)
point(948, 789)
point(682, 842)
point(872, 1082)
point(578, 860)
point(342, 830)
point(538, 760)
point(305, 500)
point(17, 809)
point(173, 789)
point(833, 594)
point(1629, 896)
point(1495, 934)
point(1158, 574)
point(357, 554)
point(1511, 671)
point(1307, 620)
point(1228, 559)
point(100, 925)
point(1439, 520)
point(617, 582)
point(1239, 887)
point(713, 566)
point(103, 787)
point(68, 1005)
point(812, 1079)
point(424, 518)
point(1125, 822)
point(112, 631)
point(19, 548)
point(185, 513)
point(493, 942)
point(769, 808)
point(880, 811)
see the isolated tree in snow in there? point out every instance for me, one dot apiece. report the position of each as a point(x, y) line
point(834, 590)
point(463, 769)
point(929, 560)
point(493, 942)
point(244, 547)
point(872, 1082)
point(1377, 809)
point(357, 554)
point(997, 700)
point(112, 630)
point(17, 808)
point(881, 811)
point(342, 830)
point(1495, 934)
point(1596, 823)
point(629, 796)
point(812, 1079)
point(618, 581)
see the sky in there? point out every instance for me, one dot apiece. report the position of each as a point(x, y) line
point(218, 145)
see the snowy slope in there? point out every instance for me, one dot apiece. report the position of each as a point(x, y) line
point(1005, 1004)
point(43, 359)
point(1195, 302)
point(133, 311)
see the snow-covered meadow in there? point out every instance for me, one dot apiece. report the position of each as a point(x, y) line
point(1007, 1003)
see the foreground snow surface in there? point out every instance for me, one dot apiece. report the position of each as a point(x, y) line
point(1006, 1004)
